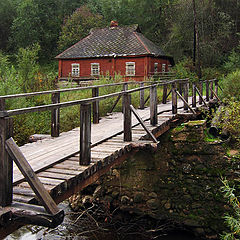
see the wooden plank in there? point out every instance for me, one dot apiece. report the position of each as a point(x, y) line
point(207, 90)
point(186, 103)
point(85, 134)
point(185, 95)
point(211, 86)
point(6, 163)
point(174, 98)
point(64, 171)
point(142, 123)
point(31, 177)
point(164, 97)
point(200, 97)
point(153, 105)
point(141, 96)
point(52, 175)
point(55, 116)
point(127, 122)
point(95, 105)
point(194, 95)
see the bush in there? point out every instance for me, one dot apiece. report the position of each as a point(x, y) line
point(233, 62)
point(231, 86)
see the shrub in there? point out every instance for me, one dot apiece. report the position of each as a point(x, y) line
point(233, 62)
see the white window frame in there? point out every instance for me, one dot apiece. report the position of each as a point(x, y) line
point(95, 69)
point(75, 70)
point(155, 67)
point(130, 68)
point(164, 67)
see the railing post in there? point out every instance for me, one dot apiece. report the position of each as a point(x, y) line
point(6, 163)
point(85, 134)
point(55, 116)
point(153, 105)
point(194, 95)
point(95, 105)
point(141, 96)
point(174, 98)
point(216, 87)
point(201, 91)
point(207, 91)
point(185, 95)
point(127, 118)
point(164, 98)
point(211, 86)
point(125, 88)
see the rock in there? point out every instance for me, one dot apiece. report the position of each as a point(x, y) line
point(152, 195)
point(152, 204)
point(191, 223)
point(125, 200)
point(138, 197)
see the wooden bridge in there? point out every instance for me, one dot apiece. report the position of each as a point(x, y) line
point(36, 177)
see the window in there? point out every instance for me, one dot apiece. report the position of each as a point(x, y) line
point(130, 68)
point(75, 70)
point(163, 67)
point(95, 69)
point(155, 67)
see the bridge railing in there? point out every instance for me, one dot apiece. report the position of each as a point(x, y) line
point(175, 88)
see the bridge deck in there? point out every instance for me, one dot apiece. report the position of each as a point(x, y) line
point(56, 160)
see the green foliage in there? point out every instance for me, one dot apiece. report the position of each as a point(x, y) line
point(231, 85)
point(233, 62)
point(233, 220)
point(185, 69)
point(77, 26)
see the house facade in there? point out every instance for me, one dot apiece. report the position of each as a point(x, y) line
point(113, 50)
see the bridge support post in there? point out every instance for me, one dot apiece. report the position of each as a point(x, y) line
point(85, 134)
point(201, 91)
point(55, 116)
point(141, 96)
point(127, 118)
point(174, 98)
point(153, 105)
point(216, 87)
point(164, 98)
point(185, 95)
point(207, 91)
point(194, 95)
point(6, 163)
point(95, 105)
point(211, 86)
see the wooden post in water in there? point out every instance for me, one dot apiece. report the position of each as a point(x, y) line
point(207, 91)
point(211, 86)
point(201, 91)
point(164, 98)
point(95, 105)
point(141, 96)
point(6, 163)
point(194, 95)
point(153, 105)
point(185, 95)
point(174, 98)
point(55, 116)
point(85, 134)
point(127, 118)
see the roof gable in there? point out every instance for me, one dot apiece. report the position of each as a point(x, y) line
point(112, 41)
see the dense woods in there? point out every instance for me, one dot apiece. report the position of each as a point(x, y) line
point(57, 24)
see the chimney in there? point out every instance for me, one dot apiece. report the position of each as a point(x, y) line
point(113, 24)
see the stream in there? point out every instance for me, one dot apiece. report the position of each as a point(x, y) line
point(77, 230)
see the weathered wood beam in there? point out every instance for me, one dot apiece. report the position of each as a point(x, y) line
point(215, 95)
point(185, 102)
point(143, 125)
point(141, 96)
point(164, 97)
point(85, 134)
point(194, 95)
point(153, 105)
point(185, 95)
point(95, 105)
point(207, 91)
point(200, 96)
point(55, 116)
point(174, 98)
point(127, 118)
point(31, 177)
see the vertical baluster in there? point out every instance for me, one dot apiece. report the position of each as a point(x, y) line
point(141, 95)
point(55, 116)
point(127, 118)
point(6, 163)
point(185, 94)
point(211, 86)
point(207, 91)
point(85, 134)
point(216, 87)
point(174, 98)
point(153, 105)
point(164, 99)
point(194, 95)
point(95, 105)
point(201, 92)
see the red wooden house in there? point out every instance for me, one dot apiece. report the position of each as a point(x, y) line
point(122, 50)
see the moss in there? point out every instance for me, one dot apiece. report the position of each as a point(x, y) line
point(208, 137)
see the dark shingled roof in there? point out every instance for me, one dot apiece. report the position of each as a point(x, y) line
point(115, 41)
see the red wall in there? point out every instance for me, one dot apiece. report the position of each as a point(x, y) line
point(143, 66)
